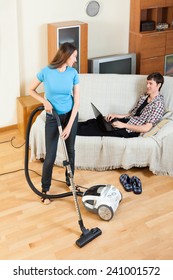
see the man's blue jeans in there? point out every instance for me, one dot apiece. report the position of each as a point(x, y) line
point(51, 138)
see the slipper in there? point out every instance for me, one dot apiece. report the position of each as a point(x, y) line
point(125, 180)
point(136, 184)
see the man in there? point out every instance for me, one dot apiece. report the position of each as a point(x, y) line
point(147, 113)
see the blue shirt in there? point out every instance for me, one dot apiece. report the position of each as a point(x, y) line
point(58, 87)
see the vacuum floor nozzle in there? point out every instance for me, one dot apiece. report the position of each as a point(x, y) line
point(88, 236)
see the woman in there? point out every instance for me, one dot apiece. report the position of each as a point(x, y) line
point(61, 86)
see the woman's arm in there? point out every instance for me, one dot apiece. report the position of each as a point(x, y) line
point(32, 91)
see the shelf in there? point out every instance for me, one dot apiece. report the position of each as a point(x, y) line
point(75, 32)
point(146, 4)
point(167, 30)
point(157, 15)
point(149, 44)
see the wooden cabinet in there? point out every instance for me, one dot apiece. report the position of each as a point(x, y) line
point(75, 32)
point(154, 64)
point(151, 46)
point(145, 4)
point(168, 2)
point(25, 105)
point(169, 43)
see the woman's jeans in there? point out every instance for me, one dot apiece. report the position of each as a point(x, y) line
point(52, 137)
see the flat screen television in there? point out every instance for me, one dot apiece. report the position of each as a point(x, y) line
point(168, 71)
point(113, 64)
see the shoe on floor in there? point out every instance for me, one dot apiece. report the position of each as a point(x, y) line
point(136, 184)
point(125, 180)
point(45, 201)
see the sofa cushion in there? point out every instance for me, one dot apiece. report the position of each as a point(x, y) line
point(166, 118)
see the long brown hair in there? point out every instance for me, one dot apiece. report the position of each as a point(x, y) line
point(63, 53)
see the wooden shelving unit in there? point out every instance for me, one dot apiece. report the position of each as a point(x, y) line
point(75, 32)
point(151, 46)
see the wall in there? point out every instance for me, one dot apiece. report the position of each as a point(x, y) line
point(9, 65)
point(24, 36)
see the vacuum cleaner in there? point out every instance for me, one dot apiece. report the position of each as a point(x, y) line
point(86, 235)
point(102, 200)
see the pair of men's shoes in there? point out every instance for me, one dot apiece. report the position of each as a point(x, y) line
point(131, 183)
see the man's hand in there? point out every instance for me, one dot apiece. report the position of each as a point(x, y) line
point(110, 117)
point(118, 124)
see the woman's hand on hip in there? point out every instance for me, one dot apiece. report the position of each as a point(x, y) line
point(48, 106)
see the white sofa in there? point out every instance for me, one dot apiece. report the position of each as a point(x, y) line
point(115, 93)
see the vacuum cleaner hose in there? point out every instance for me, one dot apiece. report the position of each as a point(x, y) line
point(26, 168)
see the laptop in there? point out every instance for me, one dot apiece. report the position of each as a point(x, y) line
point(105, 125)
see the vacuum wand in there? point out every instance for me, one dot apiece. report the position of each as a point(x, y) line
point(87, 235)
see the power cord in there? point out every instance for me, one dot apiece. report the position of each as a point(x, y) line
point(16, 147)
point(22, 169)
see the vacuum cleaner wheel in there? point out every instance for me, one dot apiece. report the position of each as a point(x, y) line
point(105, 212)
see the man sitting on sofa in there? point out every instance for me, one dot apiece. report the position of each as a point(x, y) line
point(147, 113)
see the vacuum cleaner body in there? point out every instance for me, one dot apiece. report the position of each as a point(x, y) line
point(102, 200)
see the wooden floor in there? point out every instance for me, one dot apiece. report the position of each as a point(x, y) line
point(142, 227)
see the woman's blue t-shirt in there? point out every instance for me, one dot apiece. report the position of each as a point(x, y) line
point(58, 87)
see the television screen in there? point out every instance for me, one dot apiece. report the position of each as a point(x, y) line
point(114, 64)
point(168, 65)
point(122, 66)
